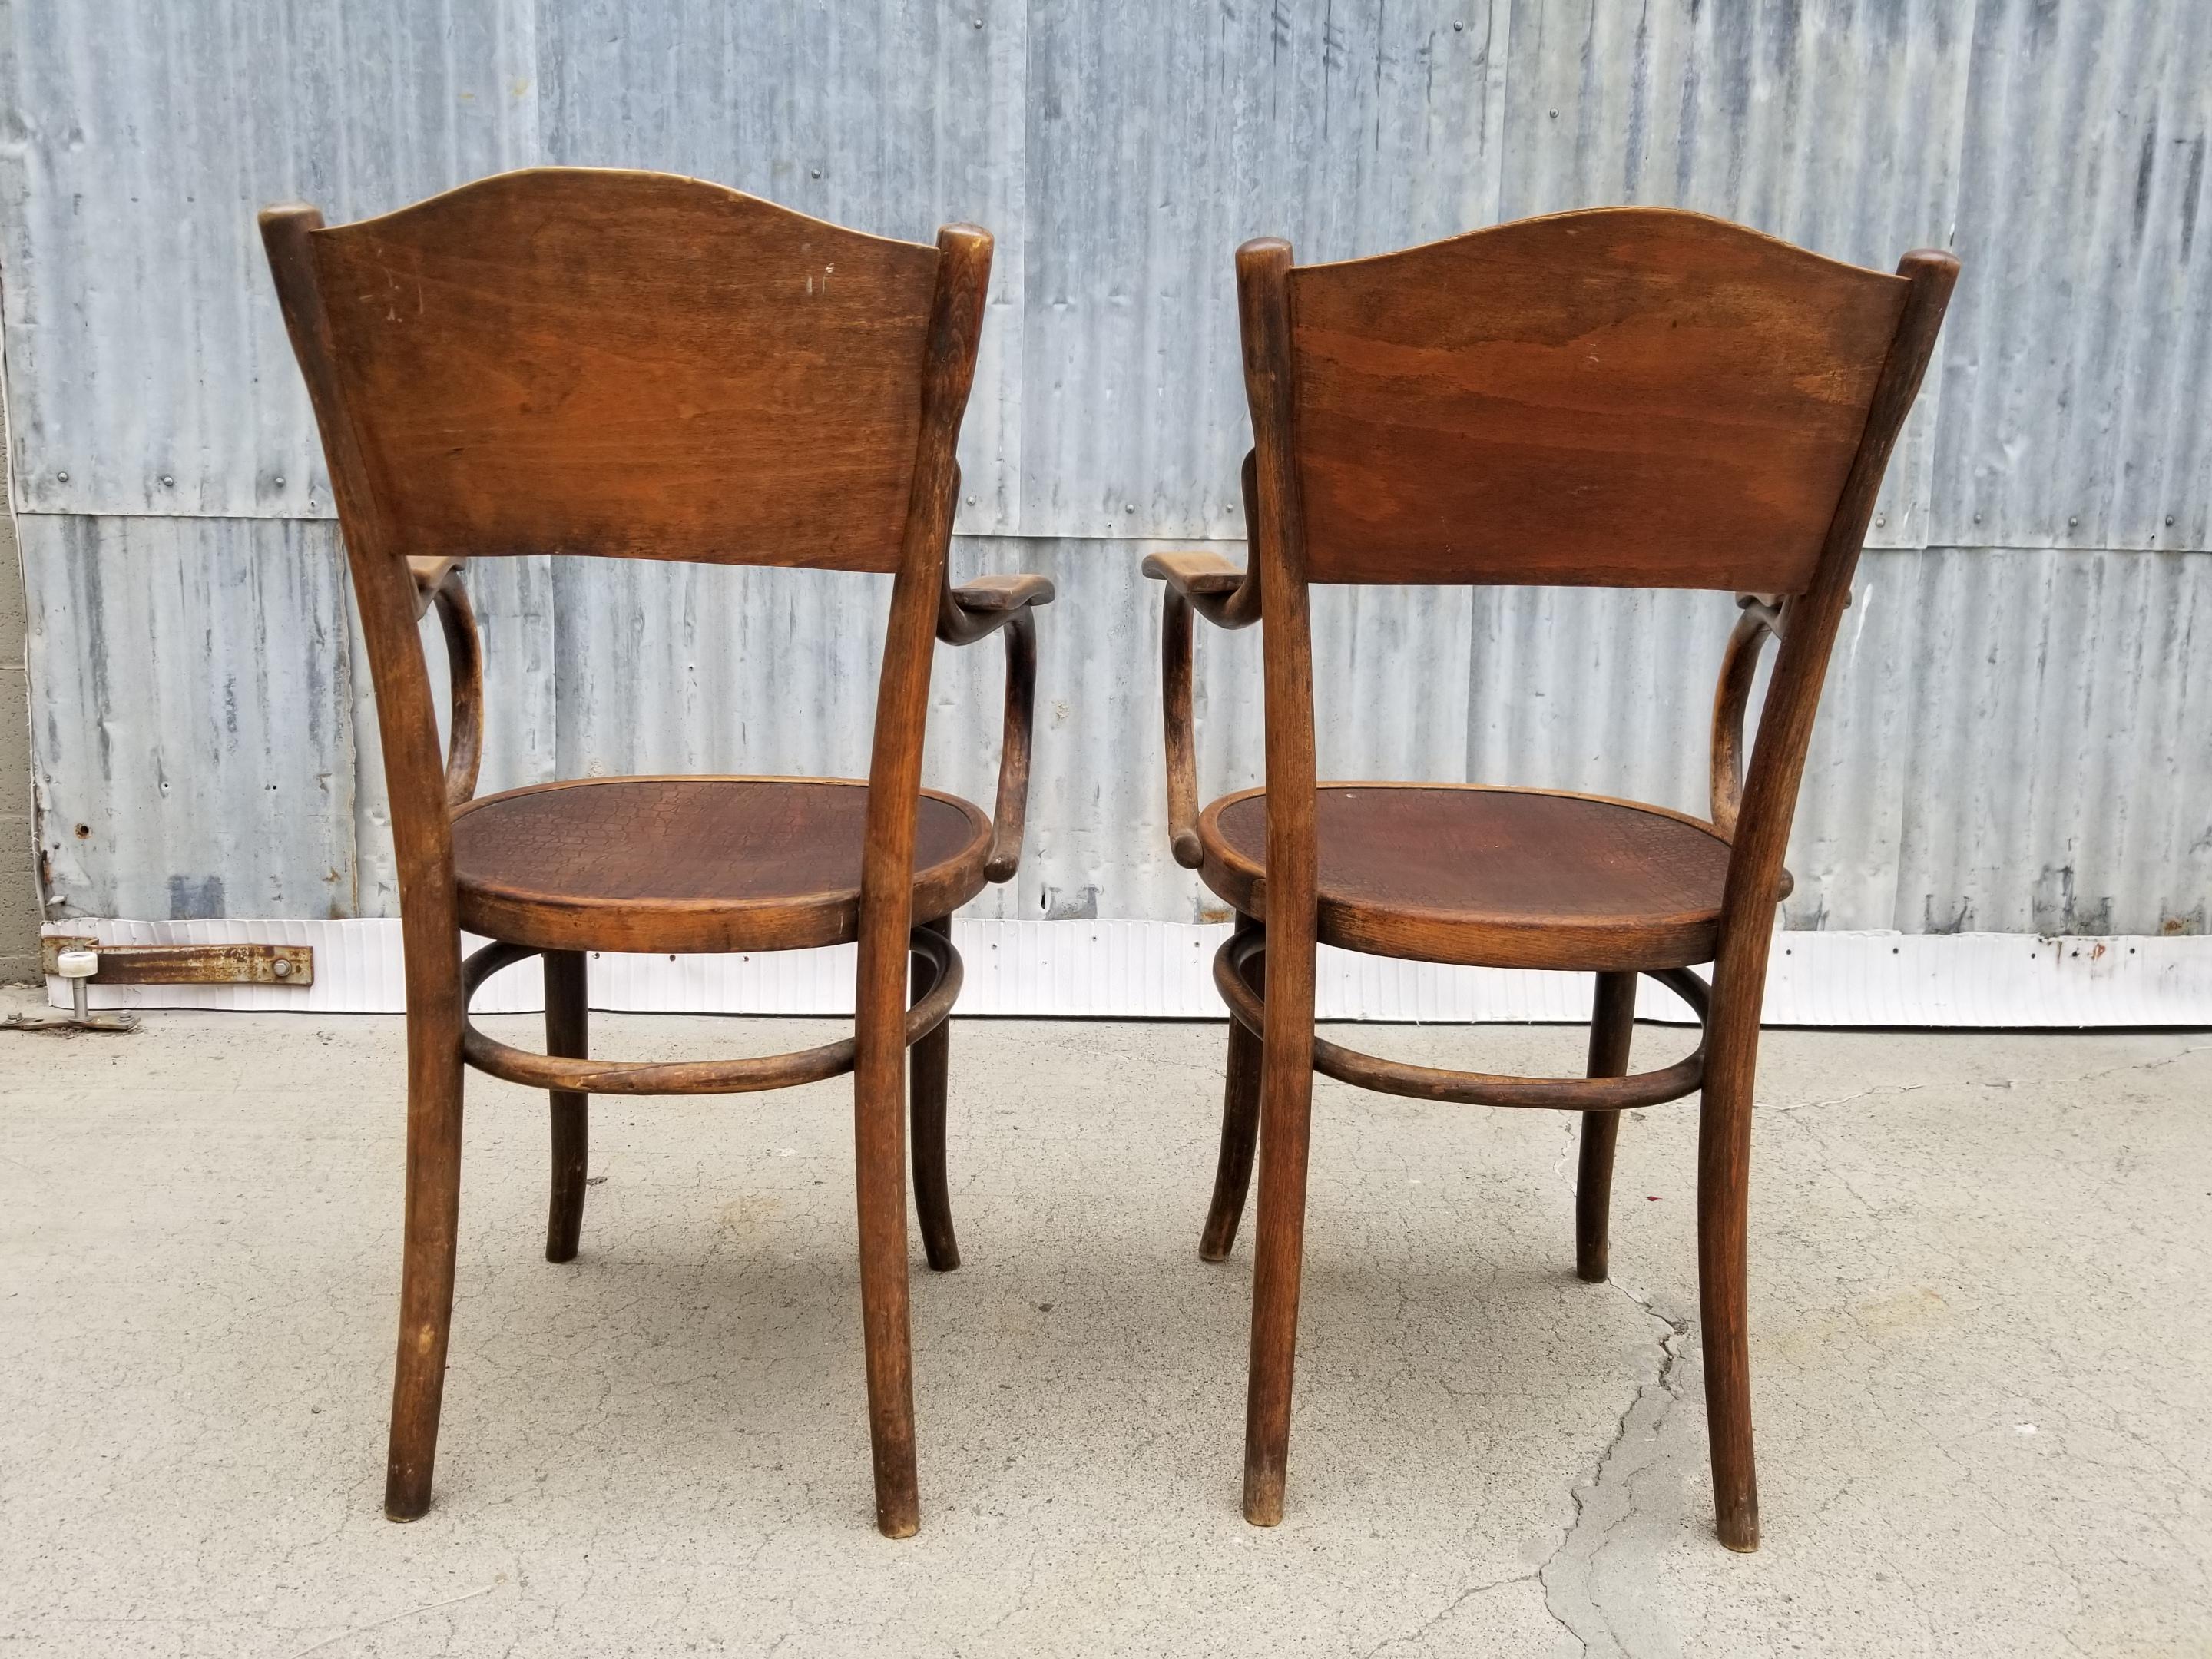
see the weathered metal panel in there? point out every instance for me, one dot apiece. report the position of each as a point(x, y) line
point(2010, 739)
point(147, 367)
point(1836, 126)
point(2010, 735)
point(1160, 138)
point(191, 749)
point(2077, 386)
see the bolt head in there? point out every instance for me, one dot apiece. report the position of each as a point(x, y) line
point(166, 481)
point(281, 968)
point(62, 478)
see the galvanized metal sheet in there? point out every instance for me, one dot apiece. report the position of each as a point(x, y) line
point(2007, 741)
point(2077, 388)
point(191, 747)
point(147, 367)
point(1160, 138)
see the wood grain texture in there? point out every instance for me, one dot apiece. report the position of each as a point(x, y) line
point(637, 365)
point(415, 780)
point(1634, 396)
point(695, 863)
point(1613, 1027)
point(1263, 303)
point(1630, 396)
point(1490, 877)
point(567, 1036)
point(569, 360)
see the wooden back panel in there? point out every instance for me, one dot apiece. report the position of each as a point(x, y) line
point(1632, 397)
point(585, 361)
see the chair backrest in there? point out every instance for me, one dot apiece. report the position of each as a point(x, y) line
point(587, 361)
point(574, 360)
point(1632, 396)
point(1629, 397)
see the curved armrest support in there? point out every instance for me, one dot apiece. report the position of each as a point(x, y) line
point(438, 583)
point(1228, 598)
point(965, 615)
point(1761, 619)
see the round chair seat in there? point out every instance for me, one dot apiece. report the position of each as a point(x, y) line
point(1489, 876)
point(695, 864)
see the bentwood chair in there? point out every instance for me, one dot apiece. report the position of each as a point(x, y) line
point(573, 361)
point(1623, 398)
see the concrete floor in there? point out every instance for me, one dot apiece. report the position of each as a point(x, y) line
point(1981, 1352)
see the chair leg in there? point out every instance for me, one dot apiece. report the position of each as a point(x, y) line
point(426, 1286)
point(1612, 1023)
point(1723, 1210)
point(568, 1034)
point(1240, 1132)
point(880, 1177)
point(929, 1067)
point(1286, 1112)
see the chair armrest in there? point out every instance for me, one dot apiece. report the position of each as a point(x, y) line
point(438, 583)
point(1228, 598)
point(1216, 589)
point(975, 611)
point(978, 609)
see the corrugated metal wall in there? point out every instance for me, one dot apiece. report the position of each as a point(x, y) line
point(2013, 734)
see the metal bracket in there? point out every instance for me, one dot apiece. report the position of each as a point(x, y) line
point(290, 965)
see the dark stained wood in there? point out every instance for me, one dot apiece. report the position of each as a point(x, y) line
point(929, 1064)
point(1240, 1115)
point(1502, 877)
point(415, 783)
point(1613, 1026)
point(886, 883)
point(694, 863)
point(632, 364)
point(1263, 273)
point(1770, 801)
point(1731, 694)
point(464, 663)
point(568, 1035)
point(586, 360)
point(750, 1075)
point(1240, 961)
point(1634, 396)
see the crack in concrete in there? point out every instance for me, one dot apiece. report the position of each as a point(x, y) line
point(1608, 1497)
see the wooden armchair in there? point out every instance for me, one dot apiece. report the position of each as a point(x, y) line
point(1627, 396)
point(573, 361)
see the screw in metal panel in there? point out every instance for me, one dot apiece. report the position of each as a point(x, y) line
point(1128, 507)
point(62, 478)
point(280, 483)
point(971, 500)
point(1880, 520)
point(2073, 523)
point(2169, 517)
point(815, 173)
point(1456, 27)
point(166, 481)
point(978, 22)
point(1555, 115)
